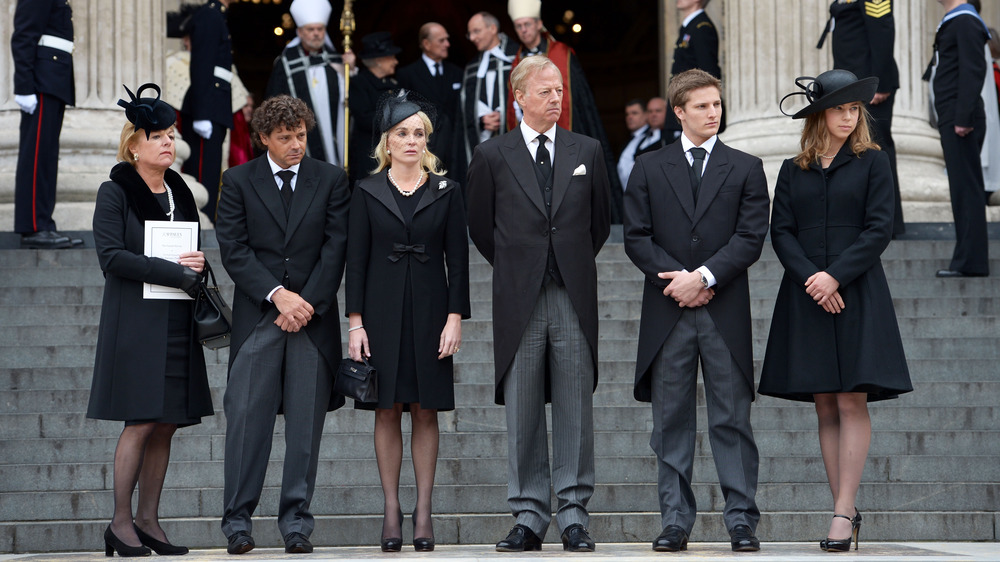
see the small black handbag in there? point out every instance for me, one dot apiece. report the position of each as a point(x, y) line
point(357, 380)
point(213, 319)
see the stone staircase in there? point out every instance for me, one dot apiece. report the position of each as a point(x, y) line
point(933, 471)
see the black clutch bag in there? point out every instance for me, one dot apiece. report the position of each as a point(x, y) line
point(213, 319)
point(357, 380)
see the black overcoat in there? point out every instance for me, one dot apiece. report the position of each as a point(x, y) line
point(509, 224)
point(132, 338)
point(377, 263)
point(839, 222)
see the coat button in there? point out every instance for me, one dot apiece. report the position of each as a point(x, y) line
point(554, 230)
point(545, 233)
point(696, 238)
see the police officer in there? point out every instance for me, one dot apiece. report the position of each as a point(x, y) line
point(863, 35)
point(207, 111)
point(42, 48)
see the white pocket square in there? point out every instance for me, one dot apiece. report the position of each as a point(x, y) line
point(580, 170)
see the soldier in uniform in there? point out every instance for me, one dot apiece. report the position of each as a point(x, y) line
point(42, 48)
point(863, 37)
point(311, 69)
point(207, 111)
point(697, 47)
point(483, 99)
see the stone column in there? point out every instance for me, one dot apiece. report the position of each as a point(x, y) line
point(115, 42)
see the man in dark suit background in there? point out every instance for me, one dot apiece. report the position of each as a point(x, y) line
point(42, 49)
point(694, 233)
point(441, 83)
point(282, 232)
point(539, 212)
point(207, 111)
point(697, 46)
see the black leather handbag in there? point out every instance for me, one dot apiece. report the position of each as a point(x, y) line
point(357, 380)
point(213, 319)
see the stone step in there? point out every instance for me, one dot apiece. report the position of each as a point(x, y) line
point(471, 529)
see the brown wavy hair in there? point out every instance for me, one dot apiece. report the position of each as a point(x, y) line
point(816, 138)
point(277, 112)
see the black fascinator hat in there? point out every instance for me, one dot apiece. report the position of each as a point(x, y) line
point(148, 114)
point(179, 22)
point(396, 105)
point(830, 89)
point(378, 44)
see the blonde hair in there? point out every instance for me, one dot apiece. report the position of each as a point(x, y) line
point(130, 136)
point(428, 161)
point(528, 67)
point(816, 137)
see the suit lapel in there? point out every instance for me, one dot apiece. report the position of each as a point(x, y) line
point(563, 164)
point(305, 192)
point(378, 186)
point(712, 178)
point(675, 169)
point(519, 161)
point(433, 190)
point(263, 183)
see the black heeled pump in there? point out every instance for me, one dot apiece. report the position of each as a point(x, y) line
point(112, 543)
point(844, 545)
point(421, 544)
point(161, 548)
point(392, 544)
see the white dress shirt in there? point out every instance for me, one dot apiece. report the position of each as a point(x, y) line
point(708, 145)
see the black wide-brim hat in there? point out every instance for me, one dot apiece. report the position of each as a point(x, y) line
point(830, 89)
point(148, 114)
point(378, 44)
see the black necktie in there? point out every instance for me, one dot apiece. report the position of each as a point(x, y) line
point(643, 139)
point(698, 155)
point(439, 70)
point(286, 188)
point(542, 157)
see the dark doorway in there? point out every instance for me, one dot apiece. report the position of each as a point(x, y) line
point(617, 42)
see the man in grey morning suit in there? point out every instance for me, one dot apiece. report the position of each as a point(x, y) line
point(540, 221)
point(282, 230)
point(694, 234)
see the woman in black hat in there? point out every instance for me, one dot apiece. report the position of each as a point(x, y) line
point(407, 290)
point(834, 338)
point(375, 77)
point(149, 370)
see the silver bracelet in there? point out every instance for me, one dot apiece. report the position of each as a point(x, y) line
point(355, 328)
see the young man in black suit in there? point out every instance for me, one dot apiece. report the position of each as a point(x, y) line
point(282, 231)
point(696, 213)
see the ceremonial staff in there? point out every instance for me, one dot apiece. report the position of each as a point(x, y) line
point(347, 28)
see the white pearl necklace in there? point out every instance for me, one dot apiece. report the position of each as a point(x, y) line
point(170, 201)
point(420, 176)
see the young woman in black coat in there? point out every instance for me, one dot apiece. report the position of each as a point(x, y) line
point(149, 370)
point(407, 286)
point(834, 338)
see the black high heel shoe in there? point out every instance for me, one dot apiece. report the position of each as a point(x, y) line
point(844, 545)
point(392, 544)
point(421, 544)
point(112, 543)
point(161, 548)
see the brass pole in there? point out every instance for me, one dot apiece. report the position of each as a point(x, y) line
point(347, 28)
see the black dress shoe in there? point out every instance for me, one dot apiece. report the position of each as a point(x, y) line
point(46, 240)
point(520, 539)
point(576, 539)
point(112, 544)
point(297, 543)
point(672, 539)
point(742, 539)
point(161, 548)
point(953, 273)
point(240, 542)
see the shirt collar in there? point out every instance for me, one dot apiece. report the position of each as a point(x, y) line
point(640, 131)
point(688, 19)
point(275, 168)
point(530, 134)
point(431, 63)
point(708, 145)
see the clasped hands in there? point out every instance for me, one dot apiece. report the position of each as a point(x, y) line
point(822, 287)
point(293, 310)
point(686, 288)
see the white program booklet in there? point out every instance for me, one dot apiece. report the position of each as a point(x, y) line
point(168, 240)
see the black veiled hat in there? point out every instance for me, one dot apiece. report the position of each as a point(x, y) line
point(378, 44)
point(396, 105)
point(179, 22)
point(148, 114)
point(832, 88)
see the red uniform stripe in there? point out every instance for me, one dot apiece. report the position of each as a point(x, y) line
point(34, 174)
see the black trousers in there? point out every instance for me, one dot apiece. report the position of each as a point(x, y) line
point(882, 131)
point(965, 183)
point(38, 166)
point(205, 163)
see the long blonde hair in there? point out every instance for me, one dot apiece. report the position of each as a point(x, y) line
point(428, 161)
point(816, 137)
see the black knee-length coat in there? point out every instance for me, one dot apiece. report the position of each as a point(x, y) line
point(129, 367)
point(377, 261)
point(840, 222)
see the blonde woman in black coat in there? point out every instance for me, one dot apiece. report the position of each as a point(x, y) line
point(834, 338)
point(150, 370)
point(407, 293)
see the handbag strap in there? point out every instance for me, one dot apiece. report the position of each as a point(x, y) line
point(208, 274)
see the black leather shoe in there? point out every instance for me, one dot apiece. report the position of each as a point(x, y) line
point(520, 539)
point(576, 539)
point(240, 542)
point(47, 240)
point(952, 273)
point(742, 539)
point(297, 543)
point(161, 548)
point(672, 539)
